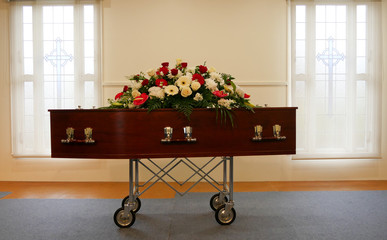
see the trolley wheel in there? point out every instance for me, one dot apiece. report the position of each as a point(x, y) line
point(137, 204)
point(224, 217)
point(215, 202)
point(123, 221)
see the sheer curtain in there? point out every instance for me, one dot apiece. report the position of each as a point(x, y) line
point(55, 63)
point(336, 67)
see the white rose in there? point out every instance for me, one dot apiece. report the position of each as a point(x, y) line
point(135, 93)
point(186, 91)
point(211, 70)
point(171, 90)
point(198, 97)
point(195, 85)
point(183, 81)
point(178, 61)
point(135, 84)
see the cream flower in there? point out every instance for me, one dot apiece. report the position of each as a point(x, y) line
point(240, 92)
point(211, 85)
point(183, 81)
point(135, 84)
point(157, 92)
point(186, 91)
point(178, 61)
point(195, 85)
point(211, 70)
point(171, 90)
point(198, 97)
point(191, 70)
point(226, 102)
point(151, 72)
point(135, 93)
point(216, 76)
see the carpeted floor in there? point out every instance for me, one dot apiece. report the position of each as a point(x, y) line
point(260, 215)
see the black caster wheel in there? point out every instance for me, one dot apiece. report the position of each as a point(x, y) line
point(224, 217)
point(215, 202)
point(137, 205)
point(123, 221)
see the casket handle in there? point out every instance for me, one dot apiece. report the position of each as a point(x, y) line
point(258, 130)
point(71, 140)
point(168, 132)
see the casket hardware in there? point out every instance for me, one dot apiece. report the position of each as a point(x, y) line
point(168, 131)
point(258, 130)
point(71, 140)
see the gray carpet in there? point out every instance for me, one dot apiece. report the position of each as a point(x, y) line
point(263, 215)
point(3, 194)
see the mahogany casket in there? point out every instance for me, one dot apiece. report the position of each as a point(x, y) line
point(137, 133)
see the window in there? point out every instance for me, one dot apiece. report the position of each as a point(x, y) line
point(336, 78)
point(55, 57)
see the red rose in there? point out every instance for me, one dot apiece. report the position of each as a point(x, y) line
point(125, 88)
point(145, 82)
point(220, 94)
point(184, 64)
point(119, 95)
point(228, 81)
point(164, 70)
point(174, 71)
point(246, 95)
point(161, 82)
point(198, 77)
point(140, 99)
point(165, 64)
point(202, 69)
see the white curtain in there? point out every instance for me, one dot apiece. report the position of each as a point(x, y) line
point(55, 64)
point(336, 72)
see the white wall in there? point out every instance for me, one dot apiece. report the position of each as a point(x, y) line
point(245, 38)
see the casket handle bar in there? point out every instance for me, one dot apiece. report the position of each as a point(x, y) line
point(70, 136)
point(168, 132)
point(258, 129)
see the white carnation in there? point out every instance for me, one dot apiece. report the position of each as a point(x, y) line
point(157, 92)
point(211, 85)
point(135, 84)
point(217, 77)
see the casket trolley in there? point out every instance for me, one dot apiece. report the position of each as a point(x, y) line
point(142, 137)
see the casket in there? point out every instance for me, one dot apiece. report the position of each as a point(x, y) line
point(137, 133)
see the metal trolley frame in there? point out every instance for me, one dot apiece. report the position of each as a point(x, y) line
point(222, 203)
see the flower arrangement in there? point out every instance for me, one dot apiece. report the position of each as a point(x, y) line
point(183, 88)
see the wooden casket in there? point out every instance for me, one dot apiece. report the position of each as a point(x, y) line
point(135, 133)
